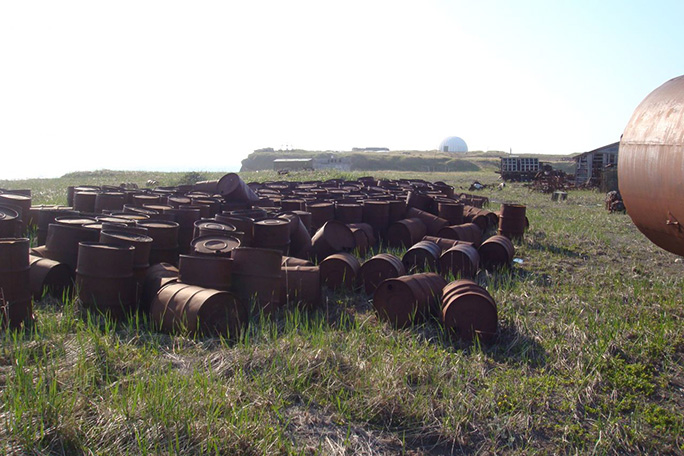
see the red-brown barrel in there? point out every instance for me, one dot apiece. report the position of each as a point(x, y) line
point(21, 204)
point(406, 232)
point(213, 245)
point(496, 252)
point(301, 286)
point(300, 239)
point(451, 211)
point(349, 212)
point(378, 268)
point(376, 213)
point(205, 271)
point(256, 276)
point(104, 278)
point(650, 166)
point(185, 216)
point(9, 223)
point(109, 201)
point(62, 242)
point(339, 271)
point(49, 277)
point(460, 260)
point(469, 232)
point(432, 223)
point(468, 310)
point(15, 285)
point(164, 236)
point(512, 221)
point(243, 224)
point(188, 309)
point(332, 237)
point(272, 233)
point(320, 214)
point(408, 299)
point(157, 276)
point(423, 256)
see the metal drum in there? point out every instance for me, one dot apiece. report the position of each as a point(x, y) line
point(256, 277)
point(460, 260)
point(15, 284)
point(49, 277)
point(468, 311)
point(378, 268)
point(339, 271)
point(408, 299)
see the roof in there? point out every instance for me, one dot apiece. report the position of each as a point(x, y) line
point(612, 147)
point(291, 160)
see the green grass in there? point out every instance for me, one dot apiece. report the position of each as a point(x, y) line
point(589, 359)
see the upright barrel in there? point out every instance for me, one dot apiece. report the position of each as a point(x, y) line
point(650, 166)
point(15, 306)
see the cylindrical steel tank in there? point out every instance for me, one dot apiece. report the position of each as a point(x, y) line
point(650, 165)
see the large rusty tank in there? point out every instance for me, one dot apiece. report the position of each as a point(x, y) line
point(651, 166)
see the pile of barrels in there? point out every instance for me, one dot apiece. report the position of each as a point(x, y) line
point(200, 259)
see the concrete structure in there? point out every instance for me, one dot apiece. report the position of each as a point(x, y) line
point(453, 144)
point(293, 164)
point(589, 166)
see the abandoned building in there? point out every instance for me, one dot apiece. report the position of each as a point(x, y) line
point(590, 166)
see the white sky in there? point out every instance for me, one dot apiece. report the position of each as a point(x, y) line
point(199, 85)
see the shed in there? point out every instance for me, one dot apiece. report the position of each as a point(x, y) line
point(589, 166)
point(293, 164)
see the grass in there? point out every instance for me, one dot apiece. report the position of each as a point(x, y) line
point(589, 359)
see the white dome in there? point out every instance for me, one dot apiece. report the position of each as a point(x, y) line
point(453, 144)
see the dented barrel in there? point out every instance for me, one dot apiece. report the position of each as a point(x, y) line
point(650, 165)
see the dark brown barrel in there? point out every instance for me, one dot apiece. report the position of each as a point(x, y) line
point(272, 233)
point(109, 201)
point(423, 256)
point(300, 239)
point(244, 225)
point(144, 199)
point(15, 284)
point(231, 187)
point(397, 210)
point(164, 236)
point(468, 310)
point(9, 223)
point(205, 271)
point(21, 204)
point(366, 228)
point(62, 242)
point(301, 286)
point(361, 239)
point(469, 232)
point(104, 278)
point(349, 212)
point(185, 216)
point(213, 245)
point(419, 200)
point(496, 252)
point(481, 217)
point(444, 243)
point(305, 217)
point(340, 271)
point(406, 232)
point(49, 277)
point(205, 227)
point(156, 277)
point(133, 229)
point(256, 277)
point(378, 268)
point(512, 221)
point(461, 260)
point(85, 201)
point(320, 214)
point(142, 244)
point(451, 211)
point(293, 205)
point(408, 299)
point(650, 166)
point(432, 223)
point(376, 214)
point(192, 310)
point(332, 237)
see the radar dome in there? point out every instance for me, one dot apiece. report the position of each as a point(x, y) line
point(453, 144)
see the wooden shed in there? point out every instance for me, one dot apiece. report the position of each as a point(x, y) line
point(590, 166)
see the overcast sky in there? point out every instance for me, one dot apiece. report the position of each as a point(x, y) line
point(199, 85)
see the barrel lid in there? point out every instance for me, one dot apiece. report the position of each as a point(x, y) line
point(15, 197)
point(157, 207)
point(216, 226)
point(161, 224)
point(130, 216)
point(104, 246)
point(75, 220)
point(272, 222)
point(180, 200)
point(110, 219)
point(214, 245)
point(7, 213)
point(127, 236)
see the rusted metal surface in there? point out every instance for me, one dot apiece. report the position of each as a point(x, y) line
point(339, 271)
point(16, 306)
point(9, 223)
point(423, 256)
point(300, 286)
point(378, 268)
point(408, 299)
point(49, 277)
point(512, 221)
point(205, 271)
point(461, 260)
point(406, 232)
point(332, 237)
point(496, 252)
point(214, 245)
point(156, 277)
point(256, 277)
point(468, 311)
point(650, 165)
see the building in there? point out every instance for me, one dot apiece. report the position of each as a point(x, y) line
point(293, 164)
point(453, 144)
point(590, 166)
point(519, 169)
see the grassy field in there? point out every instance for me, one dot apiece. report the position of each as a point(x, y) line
point(589, 360)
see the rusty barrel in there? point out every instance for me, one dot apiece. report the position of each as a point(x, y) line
point(156, 277)
point(109, 201)
point(9, 223)
point(349, 212)
point(512, 221)
point(419, 200)
point(361, 239)
point(47, 215)
point(84, 201)
point(164, 236)
point(444, 243)
point(461, 260)
point(21, 204)
point(432, 223)
point(292, 205)
point(496, 252)
point(340, 271)
point(301, 286)
point(320, 214)
point(205, 271)
point(650, 166)
point(143, 199)
point(185, 216)
point(48, 277)
point(272, 233)
point(451, 211)
point(214, 245)
point(62, 241)
point(15, 284)
point(469, 232)
point(397, 210)
point(406, 232)
point(468, 311)
point(205, 227)
point(423, 256)
point(332, 237)
point(256, 277)
point(481, 217)
point(378, 268)
point(243, 224)
point(231, 187)
point(367, 229)
point(300, 239)
point(408, 299)
point(142, 244)
point(376, 213)
point(189, 309)
point(104, 278)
